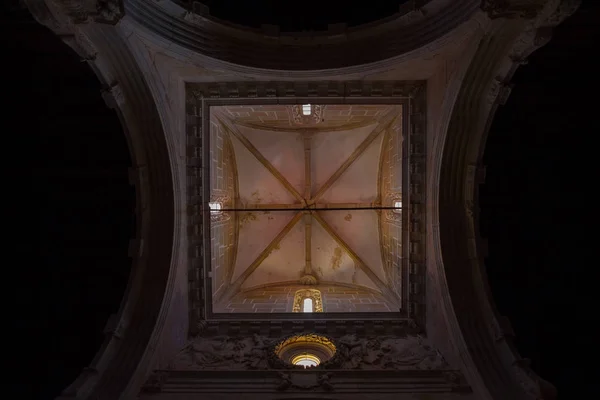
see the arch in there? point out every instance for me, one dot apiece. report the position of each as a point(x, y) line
point(492, 365)
point(411, 29)
point(132, 334)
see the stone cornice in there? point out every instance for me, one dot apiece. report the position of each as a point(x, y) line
point(272, 385)
point(479, 334)
point(249, 49)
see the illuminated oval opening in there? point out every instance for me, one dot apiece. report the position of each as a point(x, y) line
point(306, 360)
point(308, 350)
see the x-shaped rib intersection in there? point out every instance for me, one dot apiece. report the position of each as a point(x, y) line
point(309, 206)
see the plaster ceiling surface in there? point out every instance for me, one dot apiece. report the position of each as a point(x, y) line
point(282, 235)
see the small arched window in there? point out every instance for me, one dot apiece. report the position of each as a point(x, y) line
point(308, 301)
point(306, 109)
point(307, 305)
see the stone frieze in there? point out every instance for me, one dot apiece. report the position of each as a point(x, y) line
point(354, 352)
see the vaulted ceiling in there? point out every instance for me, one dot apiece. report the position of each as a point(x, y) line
point(301, 197)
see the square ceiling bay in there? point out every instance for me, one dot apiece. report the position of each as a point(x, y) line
point(305, 203)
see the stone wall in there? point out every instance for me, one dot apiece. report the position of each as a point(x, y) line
point(281, 298)
point(391, 189)
point(222, 184)
point(281, 117)
point(221, 179)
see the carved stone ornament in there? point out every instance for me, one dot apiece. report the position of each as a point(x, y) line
point(390, 200)
point(200, 96)
point(313, 294)
point(109, 11)
point(225, 353)
point(353, 352)
point(83, 11)
point(315, 116)
point(218, 215)
point(373, 353)
point(308, 279)
point(303, 381)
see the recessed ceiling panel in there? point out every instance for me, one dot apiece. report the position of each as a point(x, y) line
point(257, 229)
point(285, 262)
point(284, 150)
point(331, 149)
point(306, 208)
point(330, 261)
point(360, 181)
point(256, 184)
point(359, 229)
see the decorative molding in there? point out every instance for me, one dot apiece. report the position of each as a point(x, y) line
point(368, 325)
point(352, 352)
point(109, 11)
point(414, 225)
point(313, 294)
point(324, 92)
point(250, 364)
point(217, 216)
point(349, 385)
point(390, 199)
point(315, 116)
point(200, 96)
point(409, 31)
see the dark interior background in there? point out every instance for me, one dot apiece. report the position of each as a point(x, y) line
point(298, 16)
point(71, 212)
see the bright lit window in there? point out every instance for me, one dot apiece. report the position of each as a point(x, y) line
point(306, 109)
point(397, 206)
point(306, 360)
point(215, 206)
point(307, 300)
point(307, 305)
